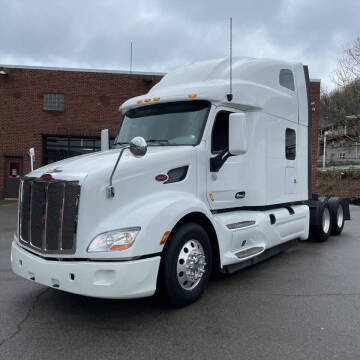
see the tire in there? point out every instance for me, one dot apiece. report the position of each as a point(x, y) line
point(337, 214)
point(189, 242)
point(322, 231)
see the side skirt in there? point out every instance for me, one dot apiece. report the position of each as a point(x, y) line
point(229, 269)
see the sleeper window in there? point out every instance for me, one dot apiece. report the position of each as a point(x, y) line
point(220, 133)
point(290, 144)
point(286, 79)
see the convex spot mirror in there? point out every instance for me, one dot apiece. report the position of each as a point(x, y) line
point(138, 146)
point(238, 143)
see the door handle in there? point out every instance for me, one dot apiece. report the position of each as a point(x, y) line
point(240, 195)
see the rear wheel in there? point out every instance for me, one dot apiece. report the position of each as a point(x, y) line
point(322, 230)
point(186, 265)
point(337, 214)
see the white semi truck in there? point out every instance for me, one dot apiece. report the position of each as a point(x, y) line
point(201, 178)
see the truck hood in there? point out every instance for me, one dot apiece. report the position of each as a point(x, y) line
point(102, 162)
point(137, 192)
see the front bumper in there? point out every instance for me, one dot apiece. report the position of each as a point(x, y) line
point(101, 279)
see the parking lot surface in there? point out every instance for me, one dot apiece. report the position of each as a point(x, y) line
point(301, 304)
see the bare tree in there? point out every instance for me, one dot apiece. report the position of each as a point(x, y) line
point(341, 109)
point(349, 65)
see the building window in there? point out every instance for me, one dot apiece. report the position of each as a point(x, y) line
point(56, 148)
point(54, 102)
point(286, 79)
point(14, 169)
point(290, 144)
point(342, 156)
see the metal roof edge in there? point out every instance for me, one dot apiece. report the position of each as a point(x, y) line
point(26, 67)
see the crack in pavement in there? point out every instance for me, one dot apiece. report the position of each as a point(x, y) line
point(27, 315)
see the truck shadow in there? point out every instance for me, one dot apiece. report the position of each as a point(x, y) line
point(106, 313)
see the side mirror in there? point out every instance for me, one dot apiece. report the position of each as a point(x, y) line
point(238, 144)
point(138, 146)
point(32, 158)
point(105, 140)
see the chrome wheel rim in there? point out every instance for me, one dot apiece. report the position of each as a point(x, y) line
point(191, 265)
point(340, 216)
point(326, 220)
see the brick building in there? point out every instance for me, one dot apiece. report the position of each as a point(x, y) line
point(60, 112)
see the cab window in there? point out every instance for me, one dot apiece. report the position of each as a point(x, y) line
point(290, 144)
point(220, 133)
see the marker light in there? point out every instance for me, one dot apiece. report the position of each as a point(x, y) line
point(164, 238)
point(192, 96)
point(120, 239)
point(139, 102)
point(156, 98)
point(147, 100)
point(211, 197)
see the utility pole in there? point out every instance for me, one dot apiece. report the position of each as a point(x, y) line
point(324, 156)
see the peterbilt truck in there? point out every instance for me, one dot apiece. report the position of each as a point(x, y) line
point(207, 173)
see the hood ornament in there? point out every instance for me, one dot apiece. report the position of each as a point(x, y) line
point(54, 170)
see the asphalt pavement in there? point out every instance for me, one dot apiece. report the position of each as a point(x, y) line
point(301, 304)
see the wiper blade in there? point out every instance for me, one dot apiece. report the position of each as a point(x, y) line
point(158, 140)
point(121, 143)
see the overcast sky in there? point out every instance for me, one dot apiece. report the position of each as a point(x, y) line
point(167, 34)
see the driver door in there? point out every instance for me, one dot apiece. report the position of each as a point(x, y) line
point(223, 186)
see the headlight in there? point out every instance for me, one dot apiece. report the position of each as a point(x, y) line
point(120, 239)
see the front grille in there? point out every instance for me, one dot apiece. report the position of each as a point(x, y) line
point(48, 215)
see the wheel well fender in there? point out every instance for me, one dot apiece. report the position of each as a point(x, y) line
point(201, 219)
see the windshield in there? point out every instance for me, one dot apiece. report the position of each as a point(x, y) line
point(176, 123)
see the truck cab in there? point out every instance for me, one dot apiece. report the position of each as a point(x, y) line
point(197, 181)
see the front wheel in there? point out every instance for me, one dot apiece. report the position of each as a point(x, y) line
point(186, 264)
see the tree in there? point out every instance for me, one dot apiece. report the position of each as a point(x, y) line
point(349, 65)
point(341, 107)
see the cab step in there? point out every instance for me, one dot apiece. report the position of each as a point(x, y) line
point(250, 252)
point(229, 269)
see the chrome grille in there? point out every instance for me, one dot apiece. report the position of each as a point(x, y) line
point(48, 215)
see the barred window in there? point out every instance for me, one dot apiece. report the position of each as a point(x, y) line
point(54, 102)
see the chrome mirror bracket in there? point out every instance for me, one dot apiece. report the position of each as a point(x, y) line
point(138, 147)
point(110, 191)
